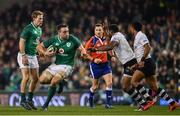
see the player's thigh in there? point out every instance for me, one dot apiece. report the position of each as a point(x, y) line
point(25, 73)
point(61, 71)
point(33, 62)
point(45, 77)
point(108, 78)
point(137, 77)
point(59, 76)
point(20, 63)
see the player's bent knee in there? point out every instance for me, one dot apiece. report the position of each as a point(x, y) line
point(53, 83)
point(134, 83)
point(60, 75)
point(45, 77)
point(57, 78)
point(41, 80)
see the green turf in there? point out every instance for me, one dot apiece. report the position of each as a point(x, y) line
point(99, 110)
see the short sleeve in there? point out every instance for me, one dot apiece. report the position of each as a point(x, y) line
point(25, 34)
point(115, 38)
point(144, 40)
point(76, 41)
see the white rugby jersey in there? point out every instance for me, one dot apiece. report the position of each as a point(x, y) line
point(139, 42)
point(123, 50)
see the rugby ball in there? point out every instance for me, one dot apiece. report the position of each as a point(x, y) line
point(52, 48)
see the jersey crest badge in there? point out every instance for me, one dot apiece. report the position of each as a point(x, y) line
point(68, 44)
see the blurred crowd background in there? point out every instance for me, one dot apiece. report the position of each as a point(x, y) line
point(161, 24)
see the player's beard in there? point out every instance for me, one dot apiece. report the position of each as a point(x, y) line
point(66, 37)
point(40, 24)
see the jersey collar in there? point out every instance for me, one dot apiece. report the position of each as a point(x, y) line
point(100, 40)
point(36, 28)
point(59, 39)
point(62, 39)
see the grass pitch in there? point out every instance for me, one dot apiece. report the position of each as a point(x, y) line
point(99, 110)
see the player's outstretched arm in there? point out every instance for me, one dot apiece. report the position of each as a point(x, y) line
point(84, 53)
point(110, 46)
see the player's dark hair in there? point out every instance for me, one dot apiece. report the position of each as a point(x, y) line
point(36, 13)
point(137, 25)
point(98, 25)
point(113, 28)
point(61, 26)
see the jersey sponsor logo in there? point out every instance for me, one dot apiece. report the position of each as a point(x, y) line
point(63, 54)
point(68, 44)
point(61, 51)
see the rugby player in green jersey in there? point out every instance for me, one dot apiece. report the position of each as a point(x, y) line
point(27, 59)
point(64, 49)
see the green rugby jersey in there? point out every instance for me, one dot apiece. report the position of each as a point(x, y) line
point(31, 34)
point(66, 49)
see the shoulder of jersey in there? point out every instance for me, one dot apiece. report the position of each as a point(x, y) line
point(118, 35)
point(27, 26)
point(140, 35)
point(55, 36)
point(143, 34)
point(71, 35)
